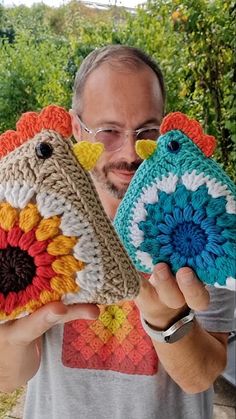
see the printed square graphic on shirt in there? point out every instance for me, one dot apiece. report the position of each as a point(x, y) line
point(115, 341)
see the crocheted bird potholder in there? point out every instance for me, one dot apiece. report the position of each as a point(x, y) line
point(56, 242)
point(180, 207)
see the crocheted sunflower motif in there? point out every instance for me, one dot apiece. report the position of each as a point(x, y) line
point(56, 242)
point(180, 207)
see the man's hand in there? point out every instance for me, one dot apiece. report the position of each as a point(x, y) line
point(20, 340)
point(26, 330)
point(198, 358)
point(163, 297)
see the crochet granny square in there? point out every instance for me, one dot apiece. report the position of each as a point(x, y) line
point(56, 241)
point(180, 207)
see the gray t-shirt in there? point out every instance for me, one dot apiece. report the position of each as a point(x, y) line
point(108, 369)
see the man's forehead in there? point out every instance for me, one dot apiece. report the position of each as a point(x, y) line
point(117, 69)
point(113, 95)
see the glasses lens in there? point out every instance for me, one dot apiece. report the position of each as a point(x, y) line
point(149, 134)
point(111, 138)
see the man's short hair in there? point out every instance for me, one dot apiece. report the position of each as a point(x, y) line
point(121, 55)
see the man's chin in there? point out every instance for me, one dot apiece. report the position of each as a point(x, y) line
point(117, 192)
point(116, 189)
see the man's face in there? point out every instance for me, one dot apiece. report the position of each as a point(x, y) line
point(115, 96)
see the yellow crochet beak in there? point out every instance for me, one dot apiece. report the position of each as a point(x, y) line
point(88, 153)
point(145, 148)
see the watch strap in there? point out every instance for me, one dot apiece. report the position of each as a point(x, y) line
point(174, 332)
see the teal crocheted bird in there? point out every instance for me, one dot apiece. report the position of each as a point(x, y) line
point(180, 207)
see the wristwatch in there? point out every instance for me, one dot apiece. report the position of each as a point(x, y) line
point(174, 332)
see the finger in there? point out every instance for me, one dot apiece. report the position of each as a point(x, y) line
point(166, 286)
point(194, 291)
point(80, 311)
point(26, 330)
point(146, 292)
point(147, 299)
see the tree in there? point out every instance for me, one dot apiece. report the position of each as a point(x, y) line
point(194, 43)
point(32, 75)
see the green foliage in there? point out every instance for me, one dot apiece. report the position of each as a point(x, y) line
point(193, 41)
point(32, 75)
point(8, 35)
point(24, 19)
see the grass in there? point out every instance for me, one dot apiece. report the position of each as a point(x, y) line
point(8, 401)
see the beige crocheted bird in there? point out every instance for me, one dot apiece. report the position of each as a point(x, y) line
point(56, 242)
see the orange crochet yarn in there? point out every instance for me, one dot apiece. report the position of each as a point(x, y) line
point(190, 127)
point(27, 126)
point(9, 140)
point(52, 117)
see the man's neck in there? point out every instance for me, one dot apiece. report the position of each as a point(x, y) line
point(109, 202)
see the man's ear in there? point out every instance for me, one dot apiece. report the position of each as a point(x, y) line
point(76, 129)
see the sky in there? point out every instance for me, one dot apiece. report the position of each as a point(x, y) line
point(127, 3)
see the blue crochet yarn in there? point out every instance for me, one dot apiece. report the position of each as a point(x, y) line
point(180, 233)
point(180, 208)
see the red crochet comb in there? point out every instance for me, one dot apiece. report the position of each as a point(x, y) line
point(52, 117)
point(191, 128)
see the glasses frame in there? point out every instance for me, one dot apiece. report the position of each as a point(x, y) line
point(94, 132)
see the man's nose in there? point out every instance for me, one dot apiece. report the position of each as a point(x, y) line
point(128, 149)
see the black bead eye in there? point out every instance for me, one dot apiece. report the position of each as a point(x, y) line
point(173, 146)
point(44, 150)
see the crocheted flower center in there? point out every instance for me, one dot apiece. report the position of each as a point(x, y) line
point(37, 264)
point(186, 227)
point(189, 239)
point(17, 269)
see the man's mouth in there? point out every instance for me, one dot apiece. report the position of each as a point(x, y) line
point(123, 174)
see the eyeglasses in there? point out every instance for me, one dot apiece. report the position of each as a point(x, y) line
point(113, 139)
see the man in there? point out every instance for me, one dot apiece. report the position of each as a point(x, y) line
point(110, 367)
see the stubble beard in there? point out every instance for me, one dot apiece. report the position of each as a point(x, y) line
point(101, 177)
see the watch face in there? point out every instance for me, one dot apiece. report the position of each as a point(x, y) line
point(180, 333)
